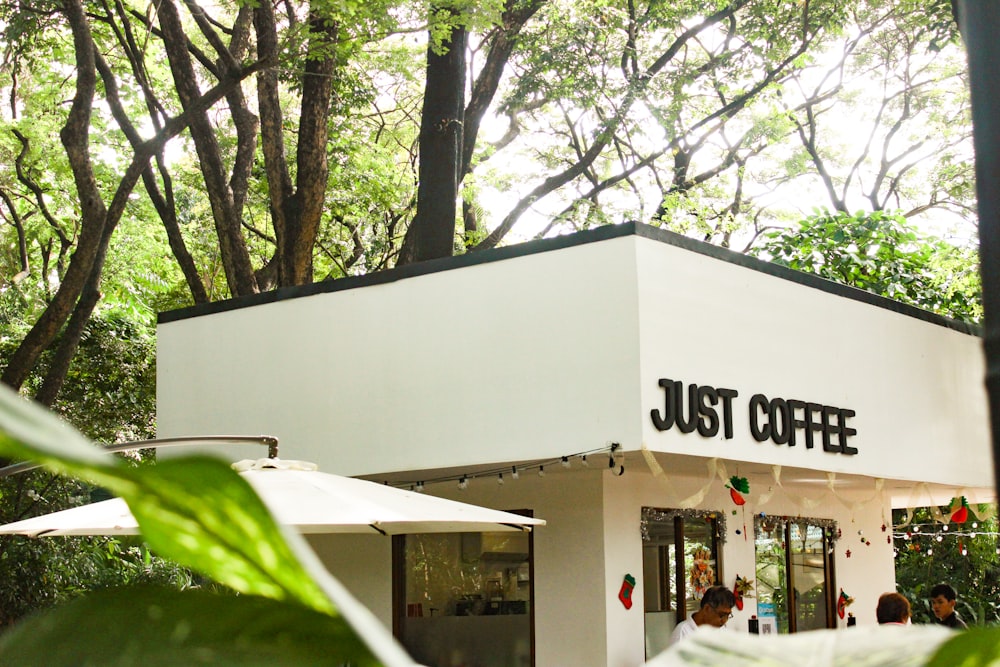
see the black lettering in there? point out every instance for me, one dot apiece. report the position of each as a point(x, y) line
point(780, 411)
point(664, 422)
point(830, 427)
point(810, 424)
point(692, 416)
point(758, 403)
point(727, 396)
point(797, 423)
point(846, 431)
point(708, 424)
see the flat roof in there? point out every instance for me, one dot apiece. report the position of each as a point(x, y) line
point(595, 235)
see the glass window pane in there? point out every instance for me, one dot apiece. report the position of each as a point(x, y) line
point(792, 555)
point(769, 543)
point(700, 562)
point(807, 560)
point(673, 580)
point(468, 599)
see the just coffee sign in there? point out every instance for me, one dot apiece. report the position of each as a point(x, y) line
point(783, 421)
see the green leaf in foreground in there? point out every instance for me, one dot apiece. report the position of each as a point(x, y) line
point(149, 627)
point(976, 647)
point(200, 513)
point(194, 510)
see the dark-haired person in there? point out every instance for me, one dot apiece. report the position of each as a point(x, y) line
point(943, 600)
point(892, 609)
point(716, 609)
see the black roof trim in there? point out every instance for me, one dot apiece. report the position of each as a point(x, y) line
point(594, 235)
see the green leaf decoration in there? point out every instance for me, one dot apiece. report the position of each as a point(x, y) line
point(975, 647)
point(153, 627)
point(741, 484)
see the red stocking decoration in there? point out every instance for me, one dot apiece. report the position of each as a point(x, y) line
point(842, 601)
point(625, 594)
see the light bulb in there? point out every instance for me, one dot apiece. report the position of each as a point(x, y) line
point(513, 472)
point(945, 528)
point(541, 471)
point(939, 538)
point(420, 487)
point(565, 462)
point(930, 552)
point(500, 479)
point(463, 483)
point(583, 461)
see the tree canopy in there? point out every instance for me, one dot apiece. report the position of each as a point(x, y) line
point(208, 152)
point(157, 156)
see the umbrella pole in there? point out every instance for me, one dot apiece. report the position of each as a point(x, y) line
point(269, 441)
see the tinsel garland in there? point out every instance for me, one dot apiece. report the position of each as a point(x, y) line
point(769, 522)
point(658, 515)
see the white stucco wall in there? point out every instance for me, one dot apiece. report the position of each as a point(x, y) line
point(540, 355)
point(507, 360)
point(916, 387)
point(363, 564)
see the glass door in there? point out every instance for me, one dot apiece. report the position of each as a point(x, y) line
point(795, 580)
point(679, 561)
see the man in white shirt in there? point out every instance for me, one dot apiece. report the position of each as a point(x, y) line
point(716, 609)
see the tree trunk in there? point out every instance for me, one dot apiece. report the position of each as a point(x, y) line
point(432, 233)
point(75, 136)
point(232, 245)
point(297, 210)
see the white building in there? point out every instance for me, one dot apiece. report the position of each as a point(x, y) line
point(513, 359)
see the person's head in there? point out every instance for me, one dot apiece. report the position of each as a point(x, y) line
point(943, 599)
point(892, 608)
point(717, 605)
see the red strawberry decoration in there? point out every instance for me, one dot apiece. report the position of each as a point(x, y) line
point(737, 487)
point(960, 510)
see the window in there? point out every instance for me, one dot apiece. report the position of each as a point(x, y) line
point(795, 555)
point(679, 561)
point(465, 598)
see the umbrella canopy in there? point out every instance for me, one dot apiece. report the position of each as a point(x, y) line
point(310, 501)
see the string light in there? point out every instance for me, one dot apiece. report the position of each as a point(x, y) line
point(463, 478)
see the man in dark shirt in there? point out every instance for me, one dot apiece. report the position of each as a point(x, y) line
point(943, 599)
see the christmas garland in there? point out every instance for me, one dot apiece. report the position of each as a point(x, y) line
point(768, 523)
point(661, 515)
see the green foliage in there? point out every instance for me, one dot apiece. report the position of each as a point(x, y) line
point(881, 253)
point(200, 513)
point(120, 626)
point(975, 575)
point(971, 648)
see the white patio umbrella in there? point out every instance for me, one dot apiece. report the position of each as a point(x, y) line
point(310, 501)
